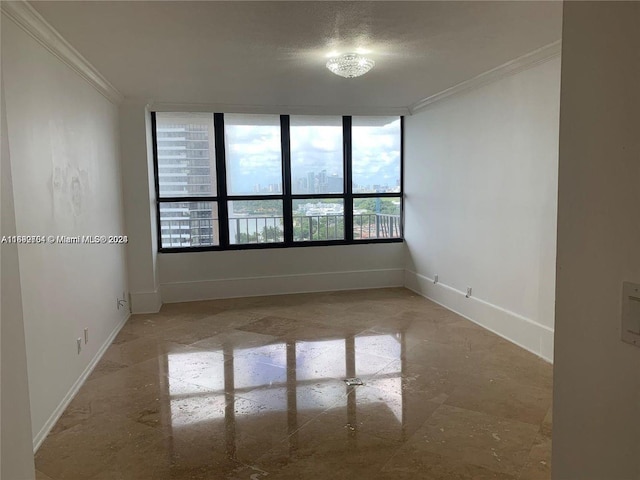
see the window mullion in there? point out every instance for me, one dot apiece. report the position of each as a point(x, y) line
point(221, 174)
point(348, 184)
point(402, 176)
point(287, 207)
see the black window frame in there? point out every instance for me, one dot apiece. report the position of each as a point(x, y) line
point(222, 197)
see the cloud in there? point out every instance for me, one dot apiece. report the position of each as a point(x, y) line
point(254, 153)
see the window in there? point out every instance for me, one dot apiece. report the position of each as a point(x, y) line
point(317, 178)
point(376, 177)
point(230, 181)
point(253, 147)
point(186, 180)
point(253, 154)
point(317, 155)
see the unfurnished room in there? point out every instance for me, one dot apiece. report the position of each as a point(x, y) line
point(320, 240)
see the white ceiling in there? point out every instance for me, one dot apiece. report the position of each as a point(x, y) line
point(273, 53)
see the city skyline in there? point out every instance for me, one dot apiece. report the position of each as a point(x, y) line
point(323, 183)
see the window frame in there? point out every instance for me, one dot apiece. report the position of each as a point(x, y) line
point(287, 197)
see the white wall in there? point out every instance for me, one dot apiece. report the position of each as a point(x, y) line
point(16, 451)
point(64, 147)
point(480, 207)
point(596, 408)
point(196, 276)
point(139, 199)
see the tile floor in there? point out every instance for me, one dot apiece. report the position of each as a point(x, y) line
point(253, 389)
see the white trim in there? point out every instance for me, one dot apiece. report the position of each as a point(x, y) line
point(26, 17)
point(522, 331)
point(280, 285)
point(512, 67)
point(57, 413)
point(277, 109)
point(146, 302)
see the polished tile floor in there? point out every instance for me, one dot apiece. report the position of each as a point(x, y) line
point(254, 389)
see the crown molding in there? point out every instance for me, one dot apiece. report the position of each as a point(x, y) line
point(512, 67)
point(277, 109)
point(27, 18)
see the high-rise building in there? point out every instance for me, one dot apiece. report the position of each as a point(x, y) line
point(311, 182)
point(186, 168)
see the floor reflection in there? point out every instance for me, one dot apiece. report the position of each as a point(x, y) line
point(283, 385)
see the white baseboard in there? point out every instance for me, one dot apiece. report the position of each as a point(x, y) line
point(49, 424)
point(524, 332)
point(280, 285)
point(146, 302)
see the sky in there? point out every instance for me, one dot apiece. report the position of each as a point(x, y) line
point(254, 157)
point(253, 149)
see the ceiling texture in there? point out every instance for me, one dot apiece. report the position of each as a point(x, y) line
point(272, 54)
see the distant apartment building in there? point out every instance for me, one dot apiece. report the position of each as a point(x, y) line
point(186, 168)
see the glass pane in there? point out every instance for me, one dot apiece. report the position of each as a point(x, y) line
point(318, 219)
point(376, 154)
point(189, 224)
point(253, 153)
point(186, 154)
point(255, 221)
point(316, 155)
point(376, 218)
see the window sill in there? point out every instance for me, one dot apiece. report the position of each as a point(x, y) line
point(262, 246)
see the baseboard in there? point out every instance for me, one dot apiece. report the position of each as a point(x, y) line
point(280, 285)
point(146, 302)
point(49, 424)
point(524, 332)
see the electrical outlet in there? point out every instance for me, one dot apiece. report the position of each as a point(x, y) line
point(79, 345)
point(468, 292)
point(435, 278)
point(86, 335)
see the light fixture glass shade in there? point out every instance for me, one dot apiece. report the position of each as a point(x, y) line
point(350, 65)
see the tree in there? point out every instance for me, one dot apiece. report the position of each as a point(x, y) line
point(271, 234)
point(246, 238)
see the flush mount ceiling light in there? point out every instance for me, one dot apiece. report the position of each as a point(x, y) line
point(350, 65)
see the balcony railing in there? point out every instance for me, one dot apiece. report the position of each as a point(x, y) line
point(243, 230)
point(308, 228)
point(376, 225)
point(193, 232)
